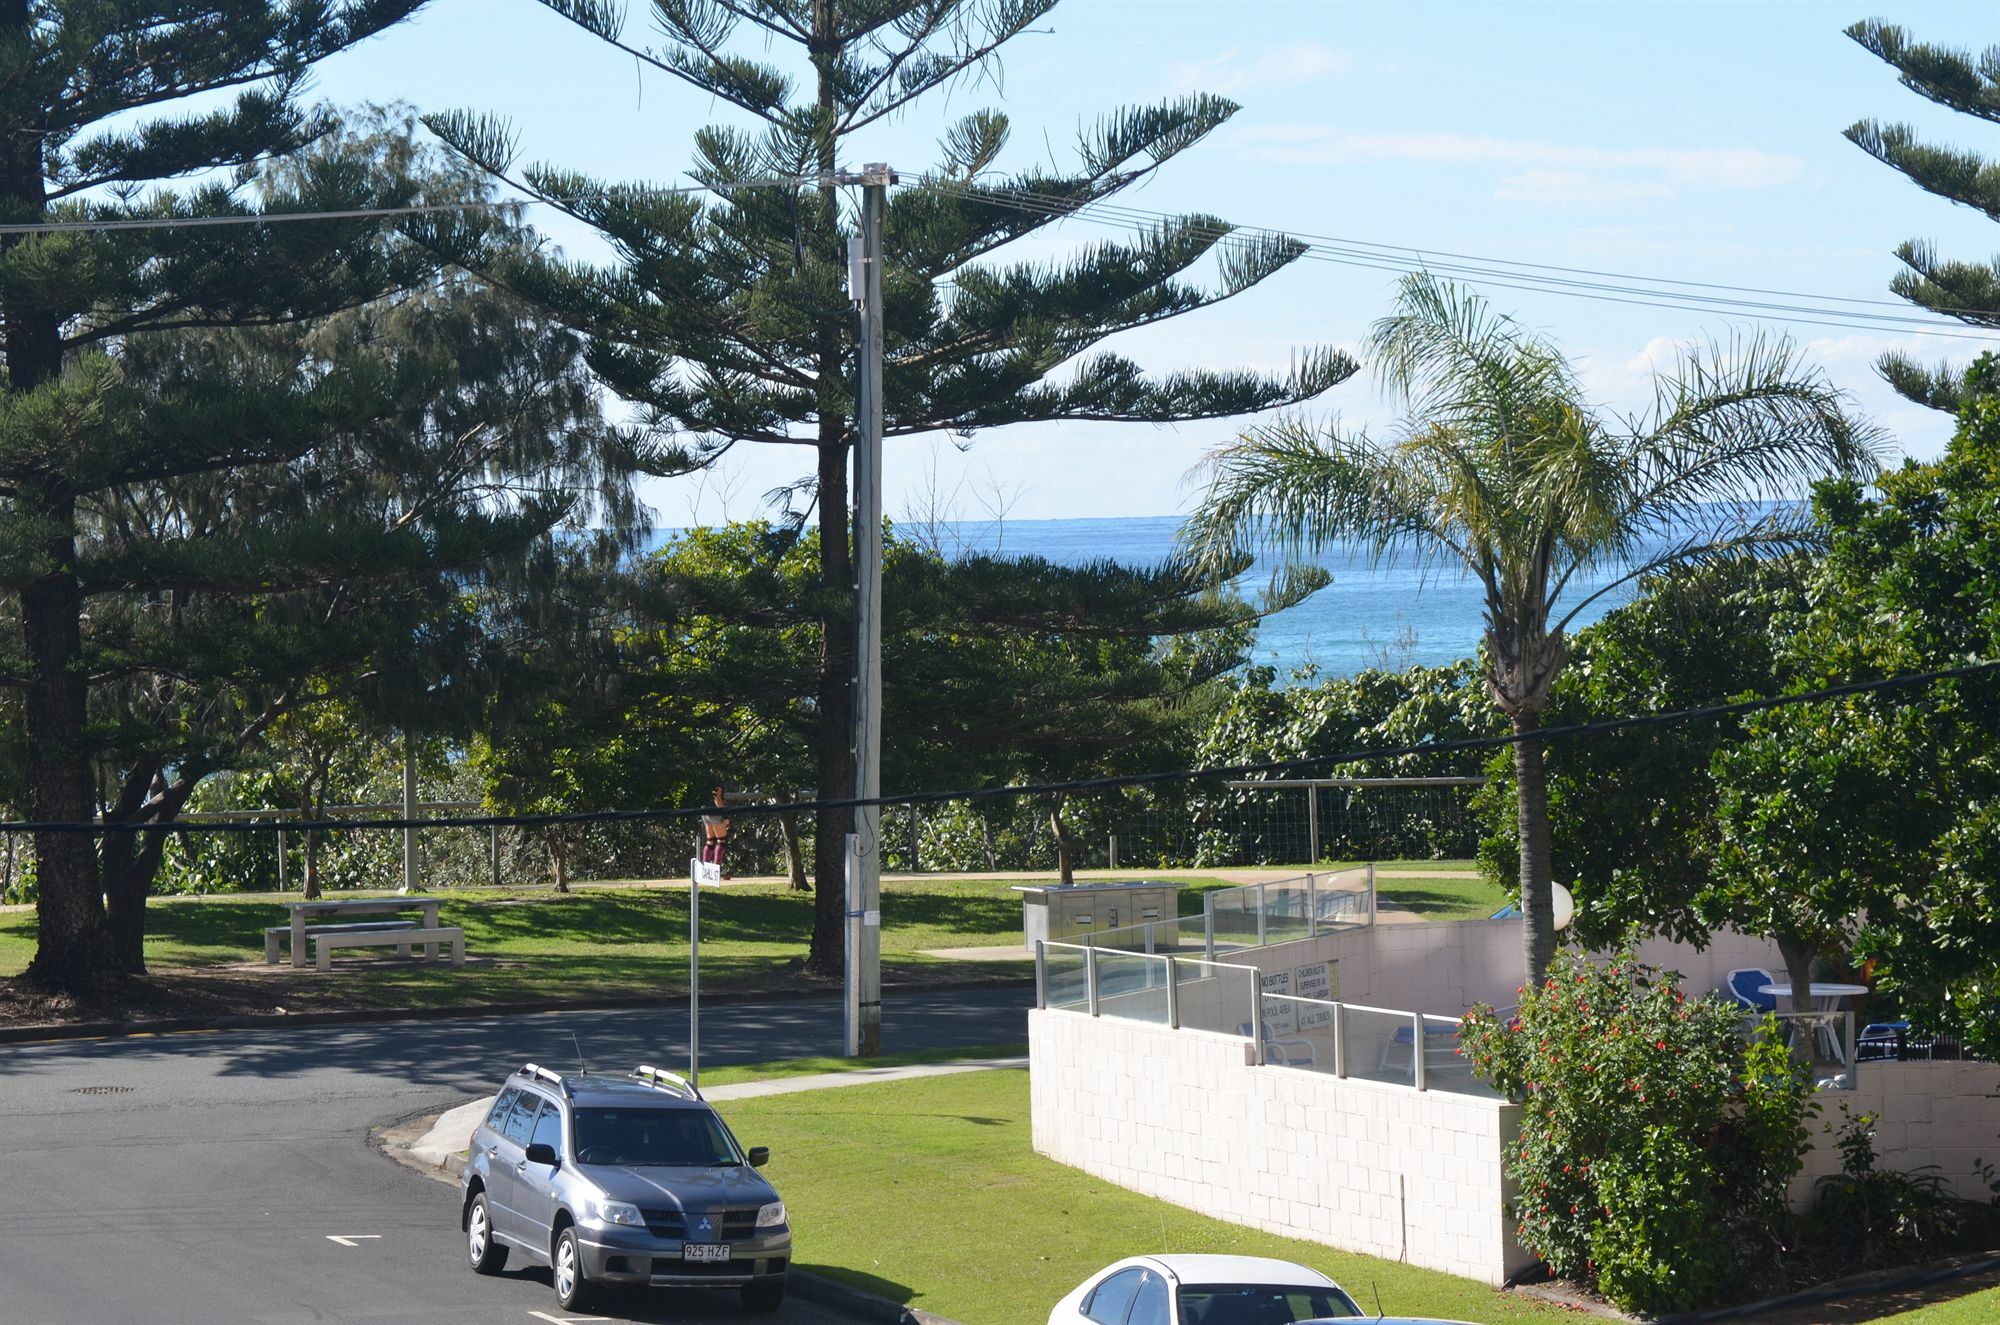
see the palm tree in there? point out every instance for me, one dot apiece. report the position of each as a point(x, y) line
point(1502, 466)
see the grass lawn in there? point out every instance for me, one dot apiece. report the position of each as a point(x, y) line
point(595, 943)
point(1977, 1309)
point(1444, 897)
point(778, 1069)
point(928, 1192)
point(532, 945)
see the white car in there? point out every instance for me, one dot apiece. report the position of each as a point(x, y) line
point(1204, 1290)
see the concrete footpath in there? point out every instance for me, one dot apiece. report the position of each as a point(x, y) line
point(432, 1145)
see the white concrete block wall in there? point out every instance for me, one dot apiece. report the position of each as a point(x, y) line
point(1946, 1114)
point(1176, 1114)
point(1445, 966)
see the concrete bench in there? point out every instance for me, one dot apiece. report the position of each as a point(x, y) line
point(276, 933)
point(371, 937)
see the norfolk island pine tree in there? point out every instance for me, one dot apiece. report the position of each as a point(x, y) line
point(725, 320)
point(145, 376)
point(1949, 287)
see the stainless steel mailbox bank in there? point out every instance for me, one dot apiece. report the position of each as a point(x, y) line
point(1063, 915)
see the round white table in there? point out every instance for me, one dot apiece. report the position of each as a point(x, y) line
point(1827, 996)
point(1826, 1000)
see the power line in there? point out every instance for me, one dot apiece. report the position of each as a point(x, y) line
point(1280, 768)
point(1636, 291)
point(1506, 273)
point(369, 213)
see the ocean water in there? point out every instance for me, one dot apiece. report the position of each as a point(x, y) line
point(1392, 615)
point(1371, 615)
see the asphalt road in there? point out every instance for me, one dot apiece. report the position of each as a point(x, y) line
point(206, 1177)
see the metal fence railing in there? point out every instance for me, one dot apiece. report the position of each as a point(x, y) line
point(1257, 914)
point(1153, 938)
point(1367, 1044)
point(1318, 1035)
point(1183, 993)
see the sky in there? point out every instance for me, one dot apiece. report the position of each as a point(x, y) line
point(1700, 142)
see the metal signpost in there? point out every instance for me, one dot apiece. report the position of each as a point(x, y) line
point(699, 872)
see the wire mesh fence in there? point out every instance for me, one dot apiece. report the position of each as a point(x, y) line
point(1208, 827)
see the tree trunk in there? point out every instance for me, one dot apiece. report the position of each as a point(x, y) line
point(1064, 862)
point(795, 863)
point(834, 739)
point(1538, 929)
point(309, 871)
point(1798, 955)
point(73, 952)
point(131, 864)
point(559, 859)
point(124, 902)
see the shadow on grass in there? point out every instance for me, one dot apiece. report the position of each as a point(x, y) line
point(1426, 902)
point(862, 1280)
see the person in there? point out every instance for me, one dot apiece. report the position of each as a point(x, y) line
point(715, 833)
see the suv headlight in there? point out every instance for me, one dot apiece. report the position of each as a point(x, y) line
point(619, 1212)
point(772, 1215)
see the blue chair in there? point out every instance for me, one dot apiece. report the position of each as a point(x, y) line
point(1883, 1039)
point(1745, 986)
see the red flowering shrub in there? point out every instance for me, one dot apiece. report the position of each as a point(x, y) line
point(1655, 1146)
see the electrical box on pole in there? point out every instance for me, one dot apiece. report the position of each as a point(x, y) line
point(864, 968)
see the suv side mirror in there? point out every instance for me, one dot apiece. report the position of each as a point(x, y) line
point(759, 1156)
point(541, 1153)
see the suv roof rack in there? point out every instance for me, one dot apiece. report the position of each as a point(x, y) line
point(553, 1078)
point(660, 1079)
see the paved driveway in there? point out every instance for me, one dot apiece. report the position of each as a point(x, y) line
point(226, 1177)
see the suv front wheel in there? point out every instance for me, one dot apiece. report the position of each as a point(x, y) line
point(572, 1289)
point(486, 1255)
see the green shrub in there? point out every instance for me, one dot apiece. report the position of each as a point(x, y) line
point(1864, 1217)
point(1655, 1146)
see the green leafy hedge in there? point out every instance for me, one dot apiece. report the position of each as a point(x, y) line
point(1655, 1145)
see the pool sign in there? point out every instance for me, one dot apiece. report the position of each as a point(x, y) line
point(1316, 981)
point(1279, 1017)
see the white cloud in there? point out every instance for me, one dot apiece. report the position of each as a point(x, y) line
point(1625, 382)
point(1235, 69)
point(1546, 172)
point(1551, 187)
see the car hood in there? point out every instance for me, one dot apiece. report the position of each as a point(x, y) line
point(660, 1188)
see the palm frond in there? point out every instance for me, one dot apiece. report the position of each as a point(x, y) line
point(1296, 491)
point(1447, 357)
point(1727, 533)
point(1742, 422)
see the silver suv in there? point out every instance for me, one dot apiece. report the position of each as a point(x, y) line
point(622, 1180)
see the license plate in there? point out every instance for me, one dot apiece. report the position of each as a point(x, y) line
point(705, 1251)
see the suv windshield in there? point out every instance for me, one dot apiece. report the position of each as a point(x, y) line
point(1260, 1304)
point(682, 1138)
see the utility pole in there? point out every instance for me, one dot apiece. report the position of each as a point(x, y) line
point(864, 845)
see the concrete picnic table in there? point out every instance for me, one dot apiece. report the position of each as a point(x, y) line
point(358, 906)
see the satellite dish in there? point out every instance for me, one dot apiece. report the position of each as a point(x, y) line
point(1563, 905)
